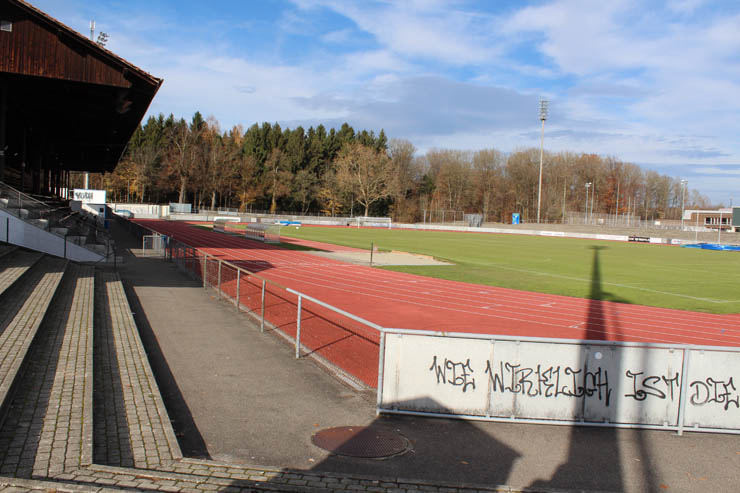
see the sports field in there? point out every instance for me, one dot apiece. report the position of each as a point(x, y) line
point(654, 275)
point(409, 301)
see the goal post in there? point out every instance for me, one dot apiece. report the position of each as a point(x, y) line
point(373, 222)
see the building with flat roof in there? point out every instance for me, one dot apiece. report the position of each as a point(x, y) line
point(727, 219)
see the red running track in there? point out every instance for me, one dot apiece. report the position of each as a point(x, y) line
point(399, 300)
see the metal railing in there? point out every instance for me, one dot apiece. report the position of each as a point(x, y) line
point(80, 230)
point(314, 327)
point(14, 202)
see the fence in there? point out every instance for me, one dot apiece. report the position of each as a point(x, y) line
point(336, 338)
point(623, 220)
point(556, 381)
point(153, 245)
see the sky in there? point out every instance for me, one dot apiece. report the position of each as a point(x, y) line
point(652, 83)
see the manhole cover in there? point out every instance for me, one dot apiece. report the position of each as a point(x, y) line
point(360, 441)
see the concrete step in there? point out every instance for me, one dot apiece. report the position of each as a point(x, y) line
point(56, 385)
point(40, 223)
point(28, 213)
point(132, 428)
point(13, 265)
point(6, 248)
point(21, 314)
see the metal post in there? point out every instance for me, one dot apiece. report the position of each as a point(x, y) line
point(564, 184)
point(298, 330)
point(238, 276)
point(372, 247)
point(543, 117)
point(539, 186)
point(3, 127)
point(683, 199)
point(616, 212)
point(381, 361)
point(684, 389)
point(719, 230)
point(219, 280)
point(7, 230)
point(205, 270)
point(593, 195)
point(696, 230)
point(262, 323)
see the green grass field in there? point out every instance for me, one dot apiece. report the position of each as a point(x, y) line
point(656, 275)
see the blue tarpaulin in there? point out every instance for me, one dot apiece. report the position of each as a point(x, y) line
point(714, 246)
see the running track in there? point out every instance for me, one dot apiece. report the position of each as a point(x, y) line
point(400, 300)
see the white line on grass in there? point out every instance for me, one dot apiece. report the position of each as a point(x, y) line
point(710, 300)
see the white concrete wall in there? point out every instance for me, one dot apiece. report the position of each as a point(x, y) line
point(501, 378)
point(18, 232)
point(529, 232)
point(146, 211)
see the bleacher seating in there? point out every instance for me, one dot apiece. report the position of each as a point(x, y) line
point(55, 216)
point(49, 310)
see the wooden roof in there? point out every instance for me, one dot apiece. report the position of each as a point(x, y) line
point(76, 99)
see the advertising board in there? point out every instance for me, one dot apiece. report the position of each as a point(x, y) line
point(89, 196)
point(595, 382)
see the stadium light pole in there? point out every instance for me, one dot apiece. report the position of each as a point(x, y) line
point(585, 210)
point(683, 199)
point(543, 117)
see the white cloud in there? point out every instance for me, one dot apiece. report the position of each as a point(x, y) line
point(685, 6)
point(431, 30)
point(339, 36)
point(657, 86)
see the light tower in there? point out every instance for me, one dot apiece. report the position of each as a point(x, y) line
point(543, 117)
point(585, 211)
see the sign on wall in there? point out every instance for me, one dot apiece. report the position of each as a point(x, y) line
point(570, 381)
point(89, 196)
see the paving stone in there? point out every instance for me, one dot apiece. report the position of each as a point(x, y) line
point(67, 421)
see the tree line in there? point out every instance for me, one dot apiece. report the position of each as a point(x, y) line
point(348, 172)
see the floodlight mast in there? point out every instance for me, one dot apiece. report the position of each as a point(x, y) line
point(585, 211)
point(543, 117)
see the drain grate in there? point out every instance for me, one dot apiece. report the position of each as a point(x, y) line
point(361, 441)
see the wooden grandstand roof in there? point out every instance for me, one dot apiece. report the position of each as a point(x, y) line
point(67, 97)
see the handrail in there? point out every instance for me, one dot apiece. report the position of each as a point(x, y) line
point(370, 324)
point(25, 195)
point(275, 283)
point(170, 246)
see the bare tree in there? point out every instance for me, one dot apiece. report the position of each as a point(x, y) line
point(249, 186)
point(403, 173)
point(488, 176)
point(186, 151)
point(365, 170)
point(278, 176)
point(330, 193)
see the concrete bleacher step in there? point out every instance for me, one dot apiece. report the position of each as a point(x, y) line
point(13, 265)
point(6, 248)
point(48, 427)
point(22, 310)
point(131, 425)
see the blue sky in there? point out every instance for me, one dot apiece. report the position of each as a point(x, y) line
point(653, 83)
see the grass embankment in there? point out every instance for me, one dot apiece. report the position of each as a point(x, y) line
point(655, 275)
